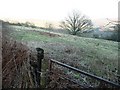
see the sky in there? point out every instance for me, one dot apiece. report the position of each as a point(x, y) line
point(56, 10)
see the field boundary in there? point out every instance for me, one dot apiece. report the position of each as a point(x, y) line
point(51, 61)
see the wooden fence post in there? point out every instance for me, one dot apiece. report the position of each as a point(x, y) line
point(40, 56)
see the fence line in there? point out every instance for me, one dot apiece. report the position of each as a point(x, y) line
point(83, 72)
point(38, 64)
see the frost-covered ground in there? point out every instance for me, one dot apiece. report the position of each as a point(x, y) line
point(92, 55)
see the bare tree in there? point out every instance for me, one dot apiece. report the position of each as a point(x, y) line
point(115, 24)
point(76, 22)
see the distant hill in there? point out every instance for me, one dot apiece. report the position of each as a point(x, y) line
point(42, 23)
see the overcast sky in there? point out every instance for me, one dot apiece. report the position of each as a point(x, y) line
point(57, 9)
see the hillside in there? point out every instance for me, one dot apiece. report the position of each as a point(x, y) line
point(96, 56)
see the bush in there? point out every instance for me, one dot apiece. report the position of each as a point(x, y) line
point(95, 36)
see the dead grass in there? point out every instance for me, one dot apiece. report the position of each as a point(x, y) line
point(15, 63)
point(13, 54)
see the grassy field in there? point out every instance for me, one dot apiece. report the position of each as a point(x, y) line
point(96, 56)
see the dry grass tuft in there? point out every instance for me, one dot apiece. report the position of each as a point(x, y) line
point(15, 64)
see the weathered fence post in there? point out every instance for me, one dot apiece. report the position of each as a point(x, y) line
point(40, 56)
